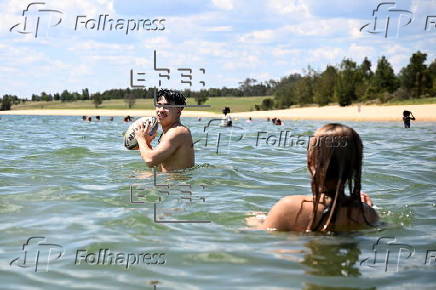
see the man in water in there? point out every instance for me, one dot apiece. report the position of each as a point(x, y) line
point(227, 121)
point(407, 116)
point(175, 149)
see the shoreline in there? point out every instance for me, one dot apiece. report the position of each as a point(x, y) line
point(364, 113)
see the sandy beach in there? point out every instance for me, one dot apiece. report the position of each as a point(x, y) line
point(423, 113)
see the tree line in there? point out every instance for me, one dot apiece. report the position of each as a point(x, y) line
point(351, 82)
point(343, 84)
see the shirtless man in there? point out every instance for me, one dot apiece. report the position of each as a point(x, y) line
point(175, 149)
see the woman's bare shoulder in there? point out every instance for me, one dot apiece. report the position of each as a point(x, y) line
point(288, 213)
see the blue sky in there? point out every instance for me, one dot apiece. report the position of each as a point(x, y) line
point(231, 39)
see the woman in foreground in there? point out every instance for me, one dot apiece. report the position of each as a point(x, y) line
point(334, 160)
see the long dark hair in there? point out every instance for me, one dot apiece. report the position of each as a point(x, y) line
point(335, 155)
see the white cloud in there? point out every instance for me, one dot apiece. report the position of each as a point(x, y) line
point(162, 42)
point(267, 35)
point(279, 52)
point(332, 28)
point(95, 45)
point(223, 4)
point(358, 52)
point(324, 27)
point(295, 7)
point(331, 55)
point(218, 28)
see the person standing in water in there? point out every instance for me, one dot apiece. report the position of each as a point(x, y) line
point(175, 149)
point(227, 120)
point(407, 116)
point(334, 161)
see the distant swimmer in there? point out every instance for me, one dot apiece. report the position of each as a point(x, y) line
point(127, 119)
point(111, 119)
point(277, 121)
point(89, 119)
point(407, 116)
point(249, 120)
point(175, 149)
point(97, 118)
point(227, 120)
point(83, 118)
point(334, 161)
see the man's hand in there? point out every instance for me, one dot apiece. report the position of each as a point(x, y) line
point(142, 133)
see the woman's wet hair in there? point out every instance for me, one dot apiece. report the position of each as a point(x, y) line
point(172, 97)
point(335, 156)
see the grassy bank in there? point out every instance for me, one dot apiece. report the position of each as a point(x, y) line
point(237, 104)
point(412, 102)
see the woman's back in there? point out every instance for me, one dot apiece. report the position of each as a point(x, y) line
point(294, 213)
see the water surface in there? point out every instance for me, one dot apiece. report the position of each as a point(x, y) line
point(69, 182)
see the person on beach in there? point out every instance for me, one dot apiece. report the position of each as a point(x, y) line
point(334, 161)
point(175, 149)
point(407, 116)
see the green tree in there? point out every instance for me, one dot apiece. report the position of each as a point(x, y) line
point(284, 94)
point(85, 94)
point(432, 75)
point(304, 91)
point(267, 104)
point(414, 76)
point(130, 100)
point(384, 78)
point(66, 96)
point(365, 69)
point(97, 99)
point(201, 97)
point(6, 103)
point(46, 97)
point(346, 81)
point(324, 86)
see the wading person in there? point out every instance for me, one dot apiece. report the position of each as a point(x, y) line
point(336, 203)
point(407, 116)
point(175, 149)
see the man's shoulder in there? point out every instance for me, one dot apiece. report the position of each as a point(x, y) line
point(178, 132)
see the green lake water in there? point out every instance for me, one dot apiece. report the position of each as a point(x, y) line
point(69, 190)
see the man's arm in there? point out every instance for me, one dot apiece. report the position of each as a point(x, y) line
point(155, 156)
